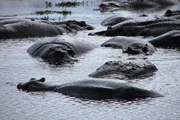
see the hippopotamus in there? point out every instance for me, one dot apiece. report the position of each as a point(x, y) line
point(130, 45)
point(154, 27)
point(59, 51)
point(90, 89)
point(109, 6)
point(110, 21)
point(167, 40)
point(125, 70)
point(23, 28)
point(115, 5)
point(170, 13)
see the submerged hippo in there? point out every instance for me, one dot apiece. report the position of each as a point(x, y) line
point(24, 28)
point(130, 45)
point(59, 52)
point(169, 39)
point(125, 70)
point(90, 89)
point(153, 27)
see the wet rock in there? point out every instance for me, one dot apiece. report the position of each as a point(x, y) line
point(125, 70)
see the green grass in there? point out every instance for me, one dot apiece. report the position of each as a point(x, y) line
point(48, 4)
point(67, 4)
point(46, 12)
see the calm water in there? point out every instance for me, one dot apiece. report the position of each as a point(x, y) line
point(17, 66)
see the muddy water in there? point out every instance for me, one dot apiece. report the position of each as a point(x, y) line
point(17, 66)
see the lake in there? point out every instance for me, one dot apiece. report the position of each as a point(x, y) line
point(16, 66)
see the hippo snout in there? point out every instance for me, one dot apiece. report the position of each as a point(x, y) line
point(22, 86)
point(19, 86)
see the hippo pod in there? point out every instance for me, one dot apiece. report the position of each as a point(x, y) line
point(152, 27)
point(23, 28)
point(170, 39)
point(58, 52)
point(130, 45)
point(115, 5)
point(91, 89)
point(125, 70)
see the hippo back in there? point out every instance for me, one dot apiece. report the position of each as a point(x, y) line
point(120, 42)
point(103, 89)
point(169, 39)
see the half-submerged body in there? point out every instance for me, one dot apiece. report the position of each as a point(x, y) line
point(91, 89)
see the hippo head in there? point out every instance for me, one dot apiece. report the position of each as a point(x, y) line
point(136, 48)
point(32, 82)
point(168, 13)
point(59, 55)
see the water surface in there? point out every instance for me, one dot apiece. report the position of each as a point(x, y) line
point(17, 66)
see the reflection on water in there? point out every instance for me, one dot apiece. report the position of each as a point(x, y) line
point(17, 66)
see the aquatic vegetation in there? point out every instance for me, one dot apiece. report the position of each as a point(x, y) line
point(48, 4)
point(46, 12)
point(67, 4)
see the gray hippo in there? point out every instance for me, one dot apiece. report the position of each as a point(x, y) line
point(114, 5)
point(153, 27)
point(130, 45)
point(23, 28)
point(90, 89)
point(125, 70)
point(110, 21)
point(168, 40)
point(109, 6)
point(59, 51)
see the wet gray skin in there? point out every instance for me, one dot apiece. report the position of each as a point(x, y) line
point(125, 70)
point(59, 52)
point(129, 45)
point(90, 89)
point(24, 28)
point(153, 27)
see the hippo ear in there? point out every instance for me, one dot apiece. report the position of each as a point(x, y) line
point(42, 79)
